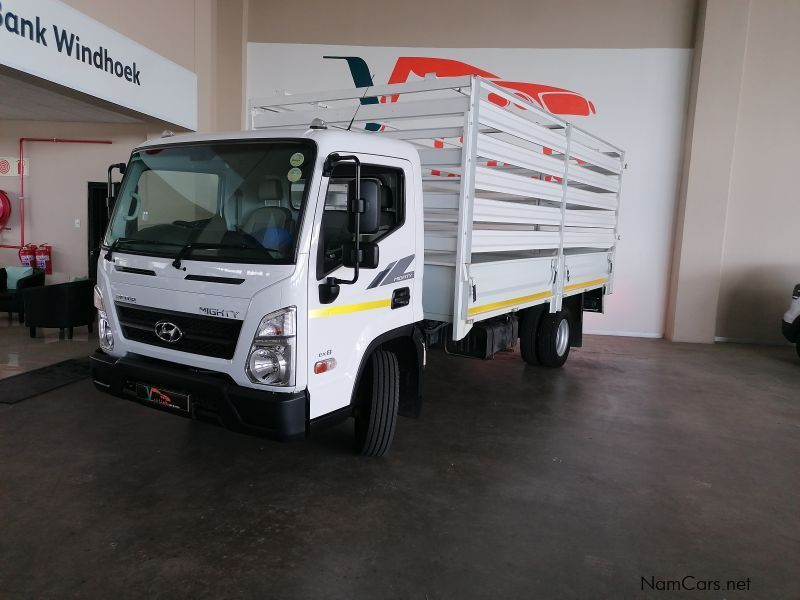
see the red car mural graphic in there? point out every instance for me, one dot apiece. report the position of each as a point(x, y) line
point(558, 101)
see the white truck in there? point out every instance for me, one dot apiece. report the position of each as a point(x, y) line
point(288, 277)
point(791, 320)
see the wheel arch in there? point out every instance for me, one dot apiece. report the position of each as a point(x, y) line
point(574, 307)
point(407, 344)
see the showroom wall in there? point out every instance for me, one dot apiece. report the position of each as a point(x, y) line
point(474, 23)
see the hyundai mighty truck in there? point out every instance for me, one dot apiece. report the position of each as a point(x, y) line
point(291, 276)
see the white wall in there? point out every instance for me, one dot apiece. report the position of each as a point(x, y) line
point(56, 189)
point(640, 96)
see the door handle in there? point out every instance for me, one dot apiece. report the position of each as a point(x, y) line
point(401, 297)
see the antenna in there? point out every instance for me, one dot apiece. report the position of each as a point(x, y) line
point(360, 102)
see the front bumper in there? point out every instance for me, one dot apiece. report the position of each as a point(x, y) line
point(276, 415)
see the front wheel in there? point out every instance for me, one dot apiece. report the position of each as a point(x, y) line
point(528, 327)
point(552, 339)
point(376, 404)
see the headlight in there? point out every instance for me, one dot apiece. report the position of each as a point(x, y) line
point(104, 333)
point(98, 299)
point(268, 365)
point(271, 358)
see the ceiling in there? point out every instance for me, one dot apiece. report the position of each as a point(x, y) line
point(26, 100)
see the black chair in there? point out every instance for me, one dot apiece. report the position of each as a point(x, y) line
point(11, 300)
point(64, 305)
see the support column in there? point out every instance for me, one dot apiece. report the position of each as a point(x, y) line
point(231, 64)
point(205, 61)
point(705, 188)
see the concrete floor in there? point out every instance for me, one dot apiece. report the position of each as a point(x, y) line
point(640, 458)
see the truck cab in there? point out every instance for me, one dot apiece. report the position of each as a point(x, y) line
point(230, 287)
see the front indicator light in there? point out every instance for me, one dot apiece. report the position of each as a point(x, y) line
point(98, 299)
point(323, 366)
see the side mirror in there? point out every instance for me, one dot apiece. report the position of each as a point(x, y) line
point(110, 187)
point(328, 291)
point(369, 255)
point(369, 206)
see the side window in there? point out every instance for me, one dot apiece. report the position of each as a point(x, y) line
point(333, 231)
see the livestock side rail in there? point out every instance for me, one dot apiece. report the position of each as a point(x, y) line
point(521, 207)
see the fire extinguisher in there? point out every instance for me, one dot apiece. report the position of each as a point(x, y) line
point(27, 255)
point(44, 258)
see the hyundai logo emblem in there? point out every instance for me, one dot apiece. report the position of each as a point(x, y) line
point(168, 332)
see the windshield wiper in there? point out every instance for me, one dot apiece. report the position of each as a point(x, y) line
point(115, 245)
point(202, 246)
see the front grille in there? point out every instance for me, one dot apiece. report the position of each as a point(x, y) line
point(209, 336)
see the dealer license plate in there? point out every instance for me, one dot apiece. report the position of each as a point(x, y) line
point(163, 397)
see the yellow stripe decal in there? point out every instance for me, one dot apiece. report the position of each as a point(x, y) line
point(506, 303)
point(575, 286)
point(349, 308)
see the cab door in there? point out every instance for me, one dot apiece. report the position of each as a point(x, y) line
point(340, 332)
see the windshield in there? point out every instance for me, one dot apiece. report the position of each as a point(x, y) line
point(228, 201)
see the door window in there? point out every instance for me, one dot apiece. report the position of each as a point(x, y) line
point(333, 231)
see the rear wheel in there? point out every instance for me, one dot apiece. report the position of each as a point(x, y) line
point(376, 404)
point(798, 348)
point(552, 339)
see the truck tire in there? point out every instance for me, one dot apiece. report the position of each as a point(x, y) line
point(376, 404)
point(798, 348)
point(527, 336)
point(552, 339)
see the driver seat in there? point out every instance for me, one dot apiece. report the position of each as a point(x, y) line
point(271, 226)
point(268, 217)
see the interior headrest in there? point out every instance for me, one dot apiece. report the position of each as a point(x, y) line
point(270, 189)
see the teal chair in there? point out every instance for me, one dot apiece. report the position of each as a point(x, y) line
point(62, 306)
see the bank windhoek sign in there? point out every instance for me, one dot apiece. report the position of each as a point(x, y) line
point(51, 40)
